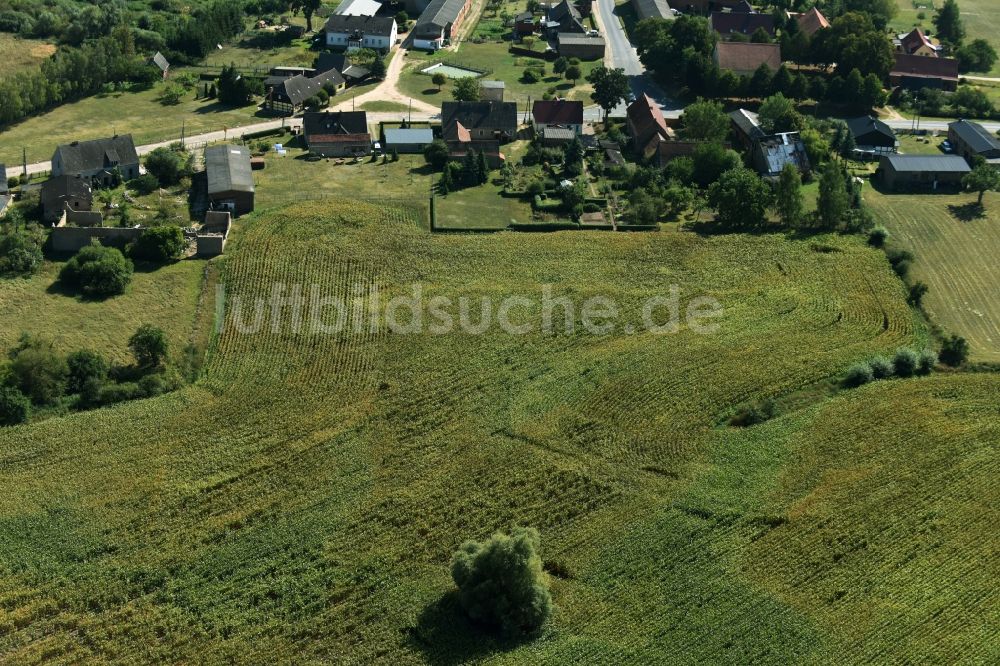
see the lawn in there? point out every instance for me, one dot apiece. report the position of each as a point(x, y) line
point(301, 502)
point(496, 59)
point(265, 49)
point(167, 297)
point(139, 113)
point(22, 55)
point(981, 19)
point(920, 145)
point(408, 179)
point(956, 256)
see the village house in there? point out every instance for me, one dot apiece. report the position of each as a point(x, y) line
point(729, 24)
point(972, 141)
point(229, 178)
point(744, 58)
point(771, 153)
point(925, 172)
point(915, 72)
point(62, 192)
point(288, 95)
point(746, 128)
point(101, 161)
point(563, 18)
point(437, 23)
point(810, 22)
point(351, 73)
point(346, 32)
point(337, 133)
point(916, 43)
point(872, 136)
point(557, 113)
point(646, 126)
point(478, 126)
point(481, 120)
point(657, 9)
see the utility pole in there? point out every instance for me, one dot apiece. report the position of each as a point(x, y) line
point(24, 161)
point(182, 135)
point(409, 113)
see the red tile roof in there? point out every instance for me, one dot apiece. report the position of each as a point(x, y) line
point(747, 56)
point(928, 67)
point(812, 21)
point(557, 112)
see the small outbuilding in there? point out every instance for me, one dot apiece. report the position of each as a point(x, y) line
point(62, 192)
point(410, 140)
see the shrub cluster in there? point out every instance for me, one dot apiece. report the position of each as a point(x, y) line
point(36, 375)
point(905, 363)
point(501, 583)
point(97, 271)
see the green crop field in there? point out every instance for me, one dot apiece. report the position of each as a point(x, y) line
point(301, 501)
point(956, 256)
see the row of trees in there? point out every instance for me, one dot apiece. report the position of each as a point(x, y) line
point(37, 376)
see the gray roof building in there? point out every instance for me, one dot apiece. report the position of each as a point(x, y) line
point(417, 135)
point(358, 8)
point(380, 26)
point(972, 139)
point(927, 163)
point(645, 9)
point(479, 119)
point(89, 158)
point(59, 192)
point(228, 169)
point(3, 180)
point(439, 16)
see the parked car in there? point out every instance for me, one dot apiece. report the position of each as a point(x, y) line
point(946, 146)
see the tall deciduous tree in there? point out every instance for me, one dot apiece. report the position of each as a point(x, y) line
point(705, 120)
point(788, 196)
point(833, 199)
point(740, 198)
point(948, 22)
point(610, 88)
point(982, 179)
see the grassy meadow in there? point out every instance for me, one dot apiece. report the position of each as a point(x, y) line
point(20, 55)
point(301, 501)
point(956, 248)
point(139, 113)
point(167, 297)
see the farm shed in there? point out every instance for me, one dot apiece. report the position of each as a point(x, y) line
point(582, 46)
point(971, 140)
point(337, 133)
point(933, 172)
point(230, 179)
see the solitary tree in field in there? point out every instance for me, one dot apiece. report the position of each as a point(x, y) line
point(982, 178)
point(439, 79)
point(501, 583)
point(149, 346)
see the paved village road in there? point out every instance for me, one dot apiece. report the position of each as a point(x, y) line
point(621, 53)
